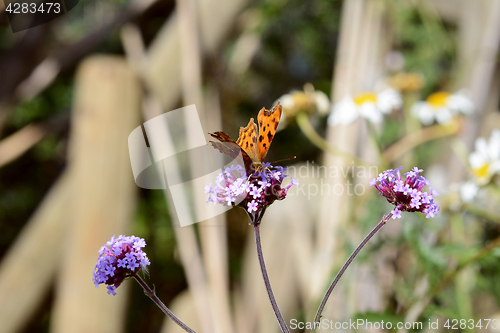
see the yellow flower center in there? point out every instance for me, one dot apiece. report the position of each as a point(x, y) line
point(482, 173)
point(438, 100)
point(301, 102)
point(363, 98)
point(301, 98)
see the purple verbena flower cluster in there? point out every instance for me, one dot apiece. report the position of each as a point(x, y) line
point(406, 195)
point(252, 191)
point(118, 259)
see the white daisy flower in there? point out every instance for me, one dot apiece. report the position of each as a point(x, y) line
point(309, 101)
point(368, 105)
point(441, 106)
point(484, 163)
point(485, 160)
point(305, 101)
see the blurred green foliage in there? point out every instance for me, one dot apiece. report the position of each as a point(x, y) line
point(52, 101)
point(428, 43)
point(24, 182)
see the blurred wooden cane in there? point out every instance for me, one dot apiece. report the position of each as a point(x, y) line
point(106, 110)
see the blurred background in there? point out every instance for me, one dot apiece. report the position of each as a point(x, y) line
point(366, 85)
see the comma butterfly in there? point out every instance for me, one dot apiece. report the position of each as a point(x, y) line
point(252, 145)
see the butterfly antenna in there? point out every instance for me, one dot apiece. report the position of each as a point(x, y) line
point(285, 159)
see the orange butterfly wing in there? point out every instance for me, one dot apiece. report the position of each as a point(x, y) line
point(247, 140)
point(253, 146)
point(229, 147)
point(268, 123)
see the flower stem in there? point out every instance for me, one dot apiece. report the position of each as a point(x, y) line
point(151, 294)
point(316, 139)
point(258, 245)
point(344, 268)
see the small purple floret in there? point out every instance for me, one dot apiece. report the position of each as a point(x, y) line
point(396, 213)
point(252, 206)
point(252, 191)
point(407, 194)
point(119, 259)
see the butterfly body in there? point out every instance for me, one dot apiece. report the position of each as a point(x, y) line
point(253, 143)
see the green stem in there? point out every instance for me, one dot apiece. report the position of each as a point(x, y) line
point(151, 294)
point(481, 212)
point(309, 131)
point(317, 318)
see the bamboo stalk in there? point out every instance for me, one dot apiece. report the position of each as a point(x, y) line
point(212, 231)
point(213, 238)
point(162, 71)
point(186, 238)
point(334, 209)
point(19, 142)
point(356, 69)
point(106, 110)
point(16, 144)
point(28, 268)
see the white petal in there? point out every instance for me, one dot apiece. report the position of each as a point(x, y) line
point(460, 102)
point(417, 107)
point(443, 116)
point(286, 101)
point(477, 160)
point(494, 146)
point(370, 112)
point(423, 112)
point(322, 102)
point(495, 135)
point(482, 148)
point(344, 112)
point(468, 191)
point(495, 167)
point(388, 100)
